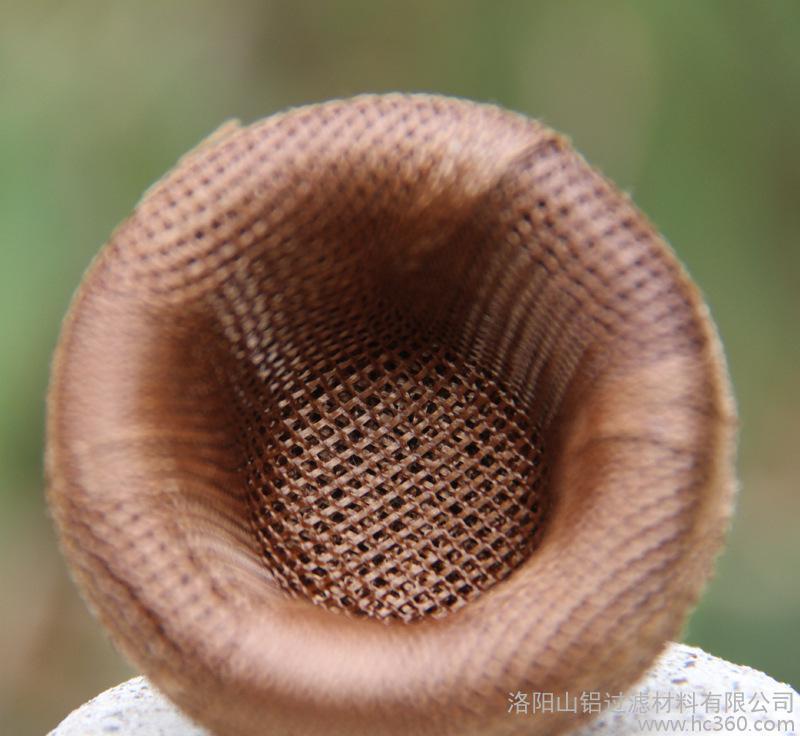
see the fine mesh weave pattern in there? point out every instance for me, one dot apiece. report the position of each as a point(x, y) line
point(406, 359)
point(388, 476)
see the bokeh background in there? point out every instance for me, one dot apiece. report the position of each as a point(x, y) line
point(693, 106)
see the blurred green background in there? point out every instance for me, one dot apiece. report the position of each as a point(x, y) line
point(693, 106)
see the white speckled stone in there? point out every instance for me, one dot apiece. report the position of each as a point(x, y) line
point(134, 708)
point(682, 675)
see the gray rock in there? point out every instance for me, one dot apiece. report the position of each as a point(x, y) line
point(686, 691)
point(134, 708)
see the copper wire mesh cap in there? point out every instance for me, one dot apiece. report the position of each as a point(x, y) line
point(379, 410)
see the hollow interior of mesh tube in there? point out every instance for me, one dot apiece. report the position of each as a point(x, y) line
point(391, 469)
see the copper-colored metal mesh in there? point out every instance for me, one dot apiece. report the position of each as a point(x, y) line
point(404, 358)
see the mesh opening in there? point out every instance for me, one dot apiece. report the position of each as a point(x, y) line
point(393, 320)
point(393, 345)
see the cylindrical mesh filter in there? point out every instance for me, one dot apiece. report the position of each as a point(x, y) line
point(377, 411)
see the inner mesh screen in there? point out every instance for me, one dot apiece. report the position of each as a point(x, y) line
point(388, 475)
